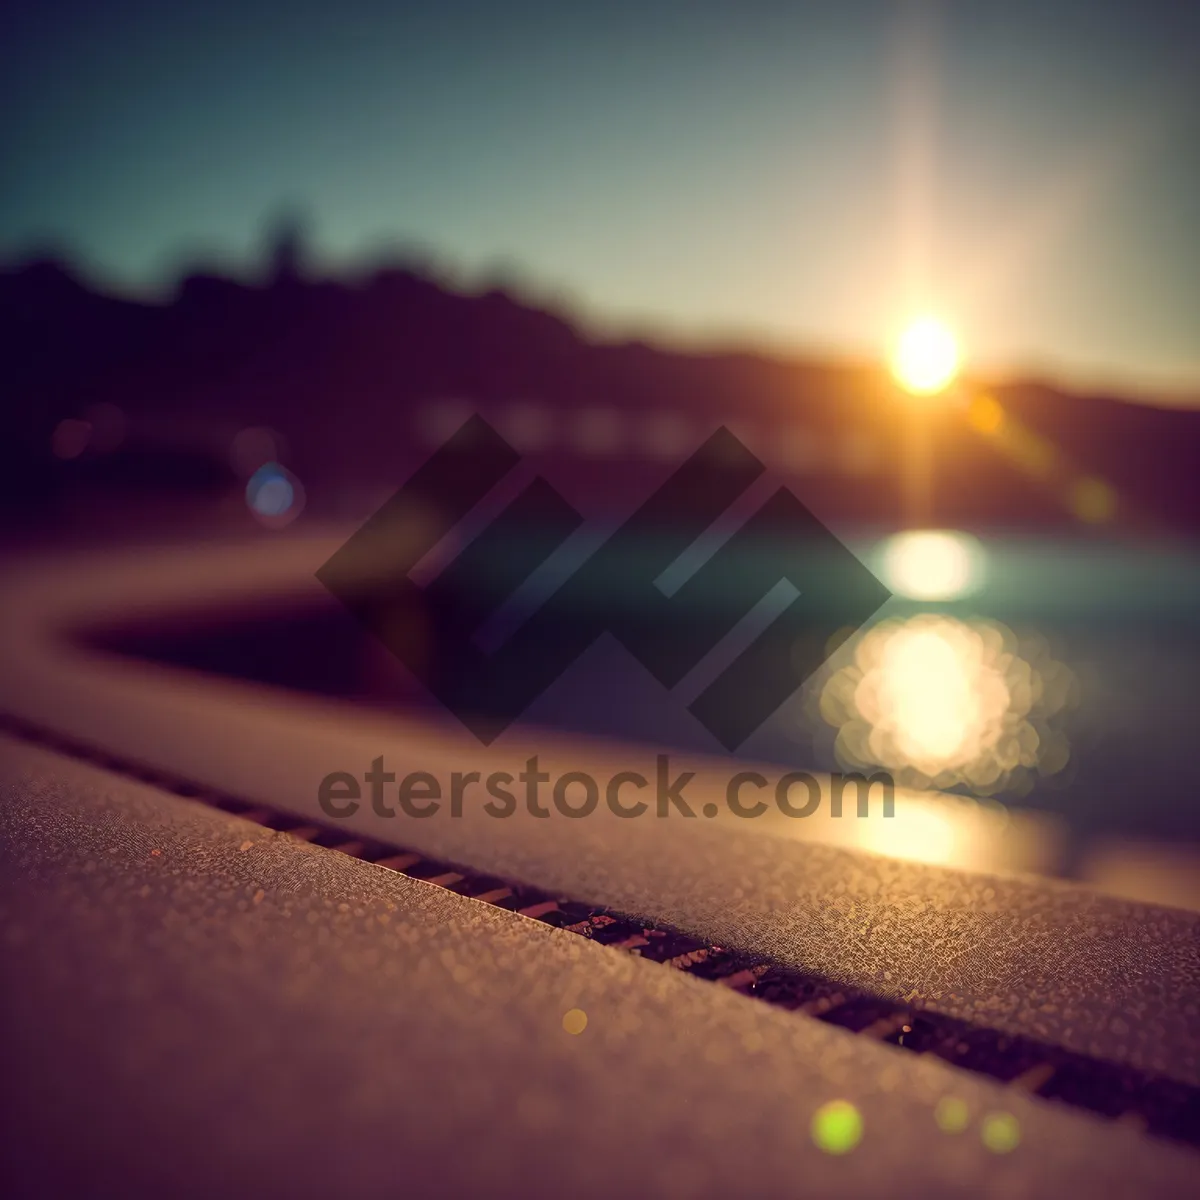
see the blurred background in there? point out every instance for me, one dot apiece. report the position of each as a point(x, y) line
point(935, 264)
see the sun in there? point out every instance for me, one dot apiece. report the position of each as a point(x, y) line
point(926, 357)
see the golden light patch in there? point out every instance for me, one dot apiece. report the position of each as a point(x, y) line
point(575, 1021)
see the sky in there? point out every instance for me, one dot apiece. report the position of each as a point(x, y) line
point(802, 176)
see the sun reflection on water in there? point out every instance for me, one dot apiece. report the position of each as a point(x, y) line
point(942, 702)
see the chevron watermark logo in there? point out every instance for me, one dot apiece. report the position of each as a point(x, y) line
point(781, 546)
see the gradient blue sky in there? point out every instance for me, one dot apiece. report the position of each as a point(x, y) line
point(801, 175)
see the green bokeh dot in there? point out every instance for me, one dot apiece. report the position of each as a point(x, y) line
point(1000, 1132)
point(837, 1127)
point(951, 1114)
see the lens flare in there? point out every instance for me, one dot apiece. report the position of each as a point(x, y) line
point(926, 357)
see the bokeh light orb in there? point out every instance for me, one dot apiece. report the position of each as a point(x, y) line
point(274, 495)
point(926, 357)
point(1001, 1132)
point(71, 438)
point(575, 1021)
point(837, 1127)
point(253, 448)
point(952, 1114)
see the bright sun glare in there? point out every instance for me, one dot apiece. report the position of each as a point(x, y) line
point(932, 564)
point(926, 357)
